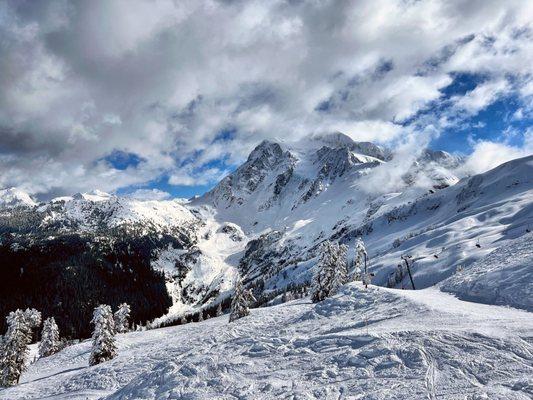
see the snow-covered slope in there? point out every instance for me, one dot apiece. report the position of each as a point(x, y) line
point(100, 210)
point(361, 344)
point(196, 253)
point(13, 197)
point(504, 276)
point(205, 272)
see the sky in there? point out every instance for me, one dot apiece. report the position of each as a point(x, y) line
point(159, 99)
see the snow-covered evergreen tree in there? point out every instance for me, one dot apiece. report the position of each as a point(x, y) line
point(219, 310)
point(49, 338)
point(240, 302)
point(359, 260)
point(104, 347)
point(122, 316)
point(14, 352)
point(323, 275)
point(330, 272)
point(340, 277)
point(201, 316)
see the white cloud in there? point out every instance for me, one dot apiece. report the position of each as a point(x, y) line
point(489, 154)
point(162, 79)
point(389, 177)
point(186, 176)
point(482, 96)
point(149, 194)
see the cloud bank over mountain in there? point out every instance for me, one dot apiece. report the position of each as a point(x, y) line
point(152, 95)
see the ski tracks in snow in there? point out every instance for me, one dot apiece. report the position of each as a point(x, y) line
point(422, 344)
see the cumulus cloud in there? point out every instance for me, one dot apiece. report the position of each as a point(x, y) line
point(482, 96)
point(149, 194)
point(162, 79)
point(490, 154)
point(186, 176)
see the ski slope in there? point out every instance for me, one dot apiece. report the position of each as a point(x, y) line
point(373, 343)
point(504, 276)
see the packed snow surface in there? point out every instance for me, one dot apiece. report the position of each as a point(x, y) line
point(373, 343)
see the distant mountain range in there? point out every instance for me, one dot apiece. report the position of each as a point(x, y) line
point(265, 220)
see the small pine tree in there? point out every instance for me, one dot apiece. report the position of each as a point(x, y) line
point(284, 297)
point(219, 310)
point(240, 302)
point(104, 347)
point(14, 352)
point(201, 316)
point(49, 338)
point(359, 260)
point(122, 316)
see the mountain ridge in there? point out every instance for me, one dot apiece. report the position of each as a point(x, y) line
point(267, 218)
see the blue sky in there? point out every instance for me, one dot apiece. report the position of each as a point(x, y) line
point(153, 99)
point(496, 122)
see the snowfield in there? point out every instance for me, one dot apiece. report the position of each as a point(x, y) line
point(373, 343)
point(503, 277)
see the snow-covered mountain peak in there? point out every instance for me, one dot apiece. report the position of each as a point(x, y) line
point(94, 195)
point(337, 140)
point(334, 139)
point(278, 178)
point(97, 210)
point(441, 158)
point(13, 197)
point(266, 150)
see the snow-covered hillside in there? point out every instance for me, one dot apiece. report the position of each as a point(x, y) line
point(197, 254)
point(13, 197)
point(100, 210)
point(361, 344)
point(504, 276)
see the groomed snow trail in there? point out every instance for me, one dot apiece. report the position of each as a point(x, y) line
point(361, 344)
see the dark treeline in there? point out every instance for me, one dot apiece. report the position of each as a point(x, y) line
point(68, 275)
